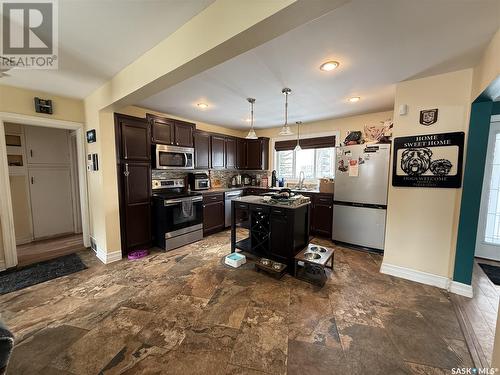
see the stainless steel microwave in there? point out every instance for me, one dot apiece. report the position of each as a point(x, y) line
point(173, 157)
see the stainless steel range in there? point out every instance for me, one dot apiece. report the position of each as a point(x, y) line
point(177, 214)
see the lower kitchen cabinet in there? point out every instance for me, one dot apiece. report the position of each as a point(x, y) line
point(213, 213)
point(322, 215)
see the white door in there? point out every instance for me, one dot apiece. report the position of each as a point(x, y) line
point(47, 145)
point(51, 205)
point(488, 229)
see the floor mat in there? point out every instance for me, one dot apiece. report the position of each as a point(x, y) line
point(493, 272)
point(11, 281)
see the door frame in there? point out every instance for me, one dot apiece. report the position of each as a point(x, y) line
point(485, 191)
point(6, 213)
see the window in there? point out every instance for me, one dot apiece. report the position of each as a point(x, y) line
point(315, 163)
point(492, 232)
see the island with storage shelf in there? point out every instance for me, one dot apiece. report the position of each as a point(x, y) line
point(275, 231)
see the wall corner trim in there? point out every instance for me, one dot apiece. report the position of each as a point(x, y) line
point(414, 275)
point(461, 289)
point(107, 258)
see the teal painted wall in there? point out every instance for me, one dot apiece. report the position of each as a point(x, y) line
point(477, 142)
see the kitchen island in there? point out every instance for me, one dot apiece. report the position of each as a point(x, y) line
point(275, 231)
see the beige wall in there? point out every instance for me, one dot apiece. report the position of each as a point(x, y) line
point(2, 256)
point(422, 222)
point(21, 101)
point(488, 68)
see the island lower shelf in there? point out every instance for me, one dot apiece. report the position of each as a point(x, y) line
point(273, 231)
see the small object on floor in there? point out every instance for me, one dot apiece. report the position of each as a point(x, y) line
point(137, 254)
point(272, 268)
point(11, 281)
point(6, 346)
point(310, 264)
point(235, 260)
point(493, 272)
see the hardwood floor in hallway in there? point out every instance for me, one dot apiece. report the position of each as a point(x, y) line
point(186, 312)
point(39, 251)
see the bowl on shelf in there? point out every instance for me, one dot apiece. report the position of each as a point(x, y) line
point(311, 256)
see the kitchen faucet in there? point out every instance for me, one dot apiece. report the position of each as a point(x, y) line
point(302, 177)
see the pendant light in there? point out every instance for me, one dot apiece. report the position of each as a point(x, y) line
point(285, 130)
point(251, 134)
point(297, 148)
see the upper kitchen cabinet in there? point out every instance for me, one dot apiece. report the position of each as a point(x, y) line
point(230, 153)
point(171, 132)
point(241, 153)
point(218, 144)
point(133, 138)
point(257, 155)
point(201, 150)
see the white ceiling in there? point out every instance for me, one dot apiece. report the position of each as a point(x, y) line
point(99, 38)
point(378, 43)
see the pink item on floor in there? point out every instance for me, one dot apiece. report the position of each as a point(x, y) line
point(137, 254)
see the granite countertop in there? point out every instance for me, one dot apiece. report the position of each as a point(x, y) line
point(255, 199)
point(223, 189)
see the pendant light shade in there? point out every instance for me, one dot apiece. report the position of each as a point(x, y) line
point(297, 148)
point(285, 130)
point(251, 134)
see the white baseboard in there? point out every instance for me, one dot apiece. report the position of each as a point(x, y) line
point(427, 278)
point(414, 275)
point(461, 289)
point(107, 258)
point(24, 240)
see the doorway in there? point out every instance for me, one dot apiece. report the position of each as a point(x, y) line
point(43, 168)
point(488, 229)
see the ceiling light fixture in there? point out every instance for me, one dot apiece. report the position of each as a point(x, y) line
point(285, 130)
point(329, 66)
point(354, 99)
point(251, 134)
point(202, 105)
point(297, 148)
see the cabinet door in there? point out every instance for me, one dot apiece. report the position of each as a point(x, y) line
point(254, 155)
point(136, 215)
point(184, 134)
point(134, 139)
point(47, 145)
point(201, 150)
point(51, 201)
point(218, 152)
point(322, 215)
point(279, 246)
point(213, 217)
point(241, 153)
point(163, 131)
point(230, 153)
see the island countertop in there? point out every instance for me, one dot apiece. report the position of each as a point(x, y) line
point(256, 199)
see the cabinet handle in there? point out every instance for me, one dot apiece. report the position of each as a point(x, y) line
point(31, 153)
point(32, 180)
point(126, 173)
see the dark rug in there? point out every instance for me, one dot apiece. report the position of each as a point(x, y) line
point(11, 281)
point(493, 272)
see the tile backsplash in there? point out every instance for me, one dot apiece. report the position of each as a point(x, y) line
point(222, 176)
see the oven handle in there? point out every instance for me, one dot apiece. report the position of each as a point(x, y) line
point(173, 202)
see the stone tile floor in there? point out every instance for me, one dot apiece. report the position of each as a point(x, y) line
point(185, 312)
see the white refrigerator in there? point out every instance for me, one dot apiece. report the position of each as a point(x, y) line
point(360, 195)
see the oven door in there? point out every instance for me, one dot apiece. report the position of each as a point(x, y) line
point(183, 215)
point(171, 157)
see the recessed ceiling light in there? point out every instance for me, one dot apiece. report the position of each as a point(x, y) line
point(202, 105)
point(354, 99)
point(329, 66)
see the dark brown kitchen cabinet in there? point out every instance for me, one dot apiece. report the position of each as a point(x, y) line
point(280, 239)
point(171, 132)
point(213, 213)
point(241, 153)
point(133, 156)
point(218, 144)
point(322, 215)
point(202, 150)
point(257, 154)
point(230, 153)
